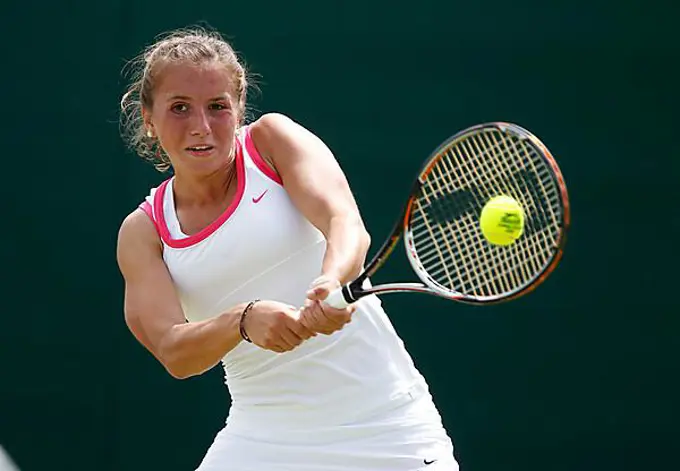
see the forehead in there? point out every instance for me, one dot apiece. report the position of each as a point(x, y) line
point(192, 80)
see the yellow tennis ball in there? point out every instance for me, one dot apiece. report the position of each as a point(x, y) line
point(502, 220)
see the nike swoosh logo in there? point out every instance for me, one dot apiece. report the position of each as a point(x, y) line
point(428, 462)
point(257, 200)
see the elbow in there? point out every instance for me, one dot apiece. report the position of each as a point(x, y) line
point(174, 365)
point(362, 237)
point(178, 372)
point(365, 240)
point(179, 369)
point(179, 366)
point(175, 361)
point(364, 245)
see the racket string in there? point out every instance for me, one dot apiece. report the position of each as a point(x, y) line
point(493, 276)
point(488, 186)
point(525, 188)
point(445, 225)
point(477, 277)
point(539, 208)
point(441, 257)
point(463, 172)
point(438, 249)
point(511, 167)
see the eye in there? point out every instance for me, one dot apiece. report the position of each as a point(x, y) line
point(179, 108)
point(218, 106)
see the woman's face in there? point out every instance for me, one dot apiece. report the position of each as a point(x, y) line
point(194, 116)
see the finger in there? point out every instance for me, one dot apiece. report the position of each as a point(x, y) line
point(321, 289)
point(270, 346)
point(329, 323)
point(301, 330)
point(288, 339)
point(313, 321)
point(297, 334)
point(334, 311)
point(279, 349)
point(308, 304)
point(338, 317)
point(310, 321)
point(330, 329)
point(333, 314)
point(279, 340)
point(329, 315)
point(318, 293)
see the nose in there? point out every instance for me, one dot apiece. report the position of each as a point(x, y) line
point(200, 125)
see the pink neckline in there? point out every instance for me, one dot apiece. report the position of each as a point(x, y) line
point(212, 227)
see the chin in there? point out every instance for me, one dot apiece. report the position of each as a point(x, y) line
point(205, 164)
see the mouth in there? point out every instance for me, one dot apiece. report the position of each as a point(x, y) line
point(201, 150)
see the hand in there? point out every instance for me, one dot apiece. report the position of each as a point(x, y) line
point(319, 316)
point(276, 326)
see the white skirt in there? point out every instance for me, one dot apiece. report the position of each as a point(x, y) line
point(409, 437)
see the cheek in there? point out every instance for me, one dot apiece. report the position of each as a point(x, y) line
point(170, 128)
point(224, 125)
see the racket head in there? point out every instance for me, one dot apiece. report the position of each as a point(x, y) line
point(442, 235)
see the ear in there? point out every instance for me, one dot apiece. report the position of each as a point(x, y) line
point(148, 125)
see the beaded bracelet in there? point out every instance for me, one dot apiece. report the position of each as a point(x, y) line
point(241, 322)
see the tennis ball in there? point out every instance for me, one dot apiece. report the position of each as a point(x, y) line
point(502, 220)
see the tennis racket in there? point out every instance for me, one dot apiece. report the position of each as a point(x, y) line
point(441, 228)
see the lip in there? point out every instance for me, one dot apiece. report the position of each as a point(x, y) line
point(200, 153)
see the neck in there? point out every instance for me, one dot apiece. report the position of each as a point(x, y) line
point(204, 189)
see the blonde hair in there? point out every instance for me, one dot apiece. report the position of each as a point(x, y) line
point(195, 45)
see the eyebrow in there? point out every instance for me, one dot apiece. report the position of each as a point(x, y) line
point(186, 98)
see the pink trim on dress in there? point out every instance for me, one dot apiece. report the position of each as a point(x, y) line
point(146, 207)
point(212, 227)
point(258, 160)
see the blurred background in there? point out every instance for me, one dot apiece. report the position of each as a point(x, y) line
point(582, 374)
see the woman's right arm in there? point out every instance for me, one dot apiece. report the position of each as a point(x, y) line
point(154, 314)
point(153, 311)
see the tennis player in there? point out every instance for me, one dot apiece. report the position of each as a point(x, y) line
point(230, 259)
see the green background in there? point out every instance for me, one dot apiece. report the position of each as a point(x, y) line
point(581, 375)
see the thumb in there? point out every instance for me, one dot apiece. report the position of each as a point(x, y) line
point(319, 292)
point(321, 287)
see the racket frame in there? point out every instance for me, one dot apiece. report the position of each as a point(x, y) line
point(356, 289)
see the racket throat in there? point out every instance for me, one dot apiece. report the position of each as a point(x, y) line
point(347, 293)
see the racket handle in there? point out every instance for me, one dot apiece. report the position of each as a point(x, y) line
point(336, 299)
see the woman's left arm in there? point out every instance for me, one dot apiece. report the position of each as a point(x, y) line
point(319, 189)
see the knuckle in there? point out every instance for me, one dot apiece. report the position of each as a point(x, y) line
point(269, 339)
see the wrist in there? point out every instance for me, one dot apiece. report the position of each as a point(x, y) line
point(242, 320)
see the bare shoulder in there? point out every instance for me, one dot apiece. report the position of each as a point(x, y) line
point(271, 124)
point(137, 225)
point(137, 236)
point(275, 131)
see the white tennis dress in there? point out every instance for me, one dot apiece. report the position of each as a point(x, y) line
point(351, 401)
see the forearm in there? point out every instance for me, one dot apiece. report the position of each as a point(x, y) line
point(193, 348)
point(346, 245)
